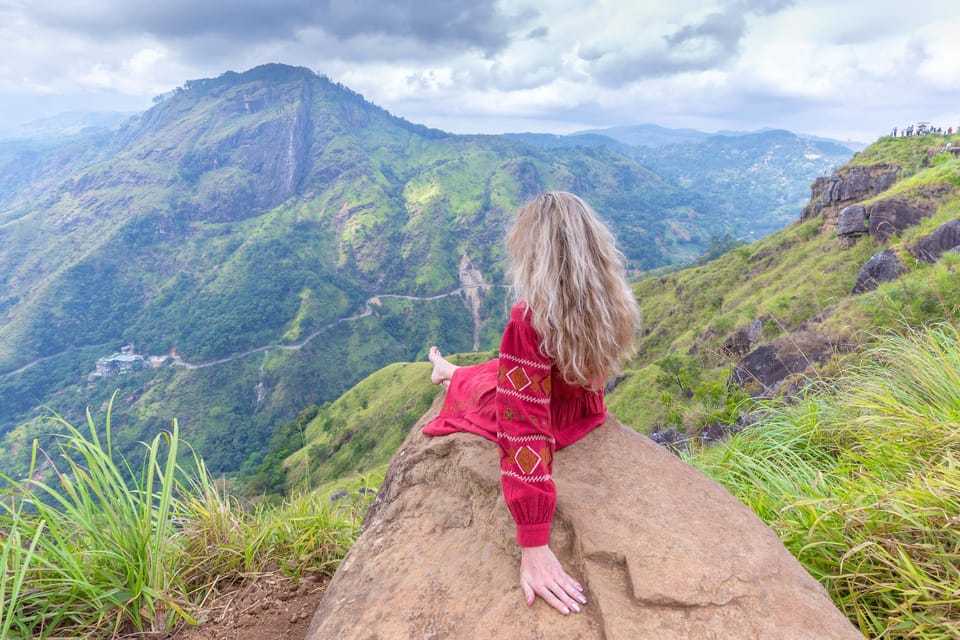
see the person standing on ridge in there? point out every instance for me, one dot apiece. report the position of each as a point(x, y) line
point(574, 321)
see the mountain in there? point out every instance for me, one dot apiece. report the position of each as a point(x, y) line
point(261, 241)
point(646, 135)
point(748, 173)
point(651, 135)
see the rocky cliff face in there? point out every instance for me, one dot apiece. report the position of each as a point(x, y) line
point(830, 194)
point(663, 552)
point(852, 204)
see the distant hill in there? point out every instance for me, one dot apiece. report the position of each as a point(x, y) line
point(69, 123)
point(741, 174)
point(747, 173)
point(651, 135)
point(646, 135)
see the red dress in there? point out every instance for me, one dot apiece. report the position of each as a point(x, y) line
point(521, 402)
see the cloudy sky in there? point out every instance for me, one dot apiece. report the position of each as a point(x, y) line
point(844, 69)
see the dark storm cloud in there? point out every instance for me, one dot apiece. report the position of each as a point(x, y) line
point(719, 32)
point(472, 23)
point(764, 7)
point(710, 43)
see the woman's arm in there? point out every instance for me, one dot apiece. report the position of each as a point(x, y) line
point(525, 437)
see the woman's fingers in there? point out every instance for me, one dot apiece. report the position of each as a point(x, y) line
point(542, 574)
point(529, 595)
point(562, 596)
point(556, 599)
point(566, 592)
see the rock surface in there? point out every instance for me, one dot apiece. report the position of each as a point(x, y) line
point(663, 552)
point(881, 267)
point(765, 370)
point(893, 215)
point(945, 238)
point(741, 341)
point(851, 224)
point(830, 194)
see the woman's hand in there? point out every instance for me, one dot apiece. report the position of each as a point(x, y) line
point(541, 575)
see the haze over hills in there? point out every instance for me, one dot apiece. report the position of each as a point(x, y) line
point(263, 240)
point(65, 124)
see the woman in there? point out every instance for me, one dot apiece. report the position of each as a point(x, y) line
point(575, 319)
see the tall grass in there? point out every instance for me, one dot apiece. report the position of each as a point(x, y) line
point(105, 548)
point(16, 559)
point(861, 480)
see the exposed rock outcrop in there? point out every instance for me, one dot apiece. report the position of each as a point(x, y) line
point(830, 194)
point(851, 224)
point(663, 551)
point(945, 238)
point(763, 371)
point(892, 216)
point(885, 218)
point(882, 267)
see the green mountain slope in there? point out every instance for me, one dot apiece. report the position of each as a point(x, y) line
point(768, 317)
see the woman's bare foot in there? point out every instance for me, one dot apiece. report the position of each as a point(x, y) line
point(442, 368)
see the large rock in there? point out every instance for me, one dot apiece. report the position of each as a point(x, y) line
point(851, 224)
point(663, 552)
point(881, 267)
point(892, 216)
point(764, 371)
point(946, 237)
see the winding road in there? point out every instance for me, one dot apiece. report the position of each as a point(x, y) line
point(293, 346)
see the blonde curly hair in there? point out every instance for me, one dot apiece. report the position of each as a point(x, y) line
point(564, 263)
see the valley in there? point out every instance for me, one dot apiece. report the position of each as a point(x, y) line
point(247, 225)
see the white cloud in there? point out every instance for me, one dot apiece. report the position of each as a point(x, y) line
point(816, 66)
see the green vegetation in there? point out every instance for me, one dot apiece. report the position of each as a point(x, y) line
point(861, 480)
point(225, 416)
point(913, 153)
point(764, 173)
point(110, 547)
point(184, 234)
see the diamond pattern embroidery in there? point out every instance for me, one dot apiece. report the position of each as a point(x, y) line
point(518, 378)
point(541, 383)
point(527, 459)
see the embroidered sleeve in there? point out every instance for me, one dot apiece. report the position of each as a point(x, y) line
point(524, 433)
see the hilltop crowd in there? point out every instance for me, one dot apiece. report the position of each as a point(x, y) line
point(920, 129)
